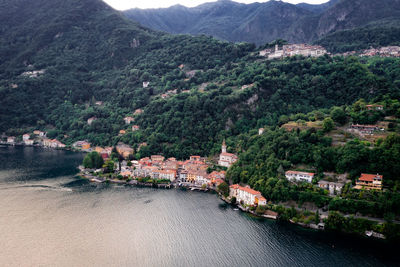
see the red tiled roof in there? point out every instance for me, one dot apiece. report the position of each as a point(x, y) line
point(228, 154)
point(246, 189)
point(369, 177)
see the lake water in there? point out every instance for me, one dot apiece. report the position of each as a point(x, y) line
point(49, 217)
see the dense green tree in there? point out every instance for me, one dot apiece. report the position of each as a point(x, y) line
point(93, 160)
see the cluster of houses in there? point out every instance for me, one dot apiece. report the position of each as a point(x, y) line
point(192, 171)
point(36, 138)
point(365, 181)
point(387, 51)
point(294, 49)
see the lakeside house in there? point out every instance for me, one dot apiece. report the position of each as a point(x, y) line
point(369, 182)
point(83, 145)
point(300, 176)
point(11, 140)
point(26, 137)
point(226, 159)
point(246, 195)
point(52, 143)
point(28, 142)
point(129, 120)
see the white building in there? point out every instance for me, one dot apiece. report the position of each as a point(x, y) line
point(26, 137)
point(246, 195)
point(11, 139)
point(226, 159)
point(28, 142)
point(334, 188)
point(299, 176)
point(260, 131)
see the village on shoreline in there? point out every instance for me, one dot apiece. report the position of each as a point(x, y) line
point(200, 174)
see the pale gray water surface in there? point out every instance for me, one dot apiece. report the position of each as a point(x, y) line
point(48, 217)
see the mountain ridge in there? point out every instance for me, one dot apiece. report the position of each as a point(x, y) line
point(260, 23)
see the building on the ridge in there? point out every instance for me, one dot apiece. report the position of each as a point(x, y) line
point(369, 182)
point(300, 176)
point(226, 159)
point(246, 195)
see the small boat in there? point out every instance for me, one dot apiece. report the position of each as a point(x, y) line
point(235, 209)
point(368, 233)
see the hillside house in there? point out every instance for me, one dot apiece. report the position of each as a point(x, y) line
point(84, 145)
point(364, 129)
point(332, 187)
point(369, 182)
point(260, 131)
point(138, 111)
point(124, 150)
point(91, 120)
point(374, 107)
point(246, 195)
point(129, 120)
point(300, 176)
point(146, 84)
point(40, 133)
point(135, 128)
point(226, 159)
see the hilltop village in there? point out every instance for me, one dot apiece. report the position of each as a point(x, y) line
point(289, 50)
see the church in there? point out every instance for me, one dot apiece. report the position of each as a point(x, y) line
point(226, 159)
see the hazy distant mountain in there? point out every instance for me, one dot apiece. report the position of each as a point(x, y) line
point(264, 22)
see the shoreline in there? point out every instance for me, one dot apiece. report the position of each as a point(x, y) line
point(370, 235)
